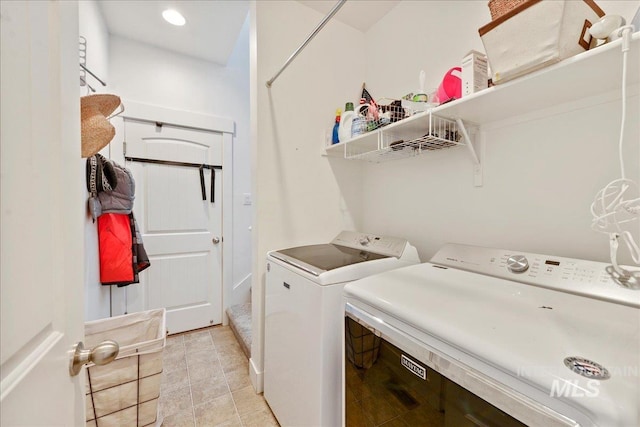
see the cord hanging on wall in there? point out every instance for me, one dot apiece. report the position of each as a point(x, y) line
point(618, 202)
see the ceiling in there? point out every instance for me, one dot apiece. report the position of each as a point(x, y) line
point(359, 14)
point(210, 33)
point(213, 27)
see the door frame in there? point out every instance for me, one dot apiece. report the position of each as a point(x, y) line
point(186, 119)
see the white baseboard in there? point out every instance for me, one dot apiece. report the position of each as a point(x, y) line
point(257, 378)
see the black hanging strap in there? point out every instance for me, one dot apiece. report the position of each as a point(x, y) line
point(204, 191)
point(201, 167)
point(213, 184)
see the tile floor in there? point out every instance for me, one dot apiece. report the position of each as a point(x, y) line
point(205, 382)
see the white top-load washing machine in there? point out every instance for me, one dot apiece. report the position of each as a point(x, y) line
point(491, 337)
point(304, 312)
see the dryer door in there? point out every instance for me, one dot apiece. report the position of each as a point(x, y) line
point(389, 376)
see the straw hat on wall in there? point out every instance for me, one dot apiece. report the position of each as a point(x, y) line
point(96, 130)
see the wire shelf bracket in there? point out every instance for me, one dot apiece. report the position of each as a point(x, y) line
point(477, 164)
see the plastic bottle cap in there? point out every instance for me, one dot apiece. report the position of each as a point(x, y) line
point(338, 112)
point(348, 106)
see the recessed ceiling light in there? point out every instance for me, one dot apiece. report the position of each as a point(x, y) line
point(173, 17)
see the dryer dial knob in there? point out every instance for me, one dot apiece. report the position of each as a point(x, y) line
point(517, 264)
point(364, 241)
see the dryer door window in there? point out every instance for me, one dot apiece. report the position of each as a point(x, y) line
point(384, 384)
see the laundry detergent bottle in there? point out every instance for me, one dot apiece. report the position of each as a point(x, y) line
point(346, 121)
point(335, 138)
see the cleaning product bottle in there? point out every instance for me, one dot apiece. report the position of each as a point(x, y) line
point(335, 138)
point(344, 131)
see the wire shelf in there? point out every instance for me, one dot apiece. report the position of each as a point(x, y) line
point(422, 132)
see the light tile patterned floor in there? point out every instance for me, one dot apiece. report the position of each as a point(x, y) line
point(205, 382)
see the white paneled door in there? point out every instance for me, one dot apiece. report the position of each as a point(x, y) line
point(182, 233)
point(42, 216)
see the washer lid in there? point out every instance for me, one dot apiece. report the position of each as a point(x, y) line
point(317, 259)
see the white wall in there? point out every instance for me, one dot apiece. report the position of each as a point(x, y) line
point(149, 75)
point(397, 49)
point(298, 192)
point(541, 171)
point(93, 28)
point(139, 72)
point(421, 35)
point(238, 67)
point(540, 177)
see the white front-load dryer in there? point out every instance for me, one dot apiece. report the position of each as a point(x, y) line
point(304, 312)
point(483, 336)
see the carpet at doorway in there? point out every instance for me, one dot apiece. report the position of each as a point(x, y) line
point(240, 323)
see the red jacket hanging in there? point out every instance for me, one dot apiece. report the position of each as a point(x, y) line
point(122, 254)
point(114, 234)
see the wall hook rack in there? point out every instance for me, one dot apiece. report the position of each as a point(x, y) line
point(82, 54)
point(93, 75)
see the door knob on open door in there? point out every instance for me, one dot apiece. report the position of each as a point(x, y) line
point(103, 353)
point(215, 240)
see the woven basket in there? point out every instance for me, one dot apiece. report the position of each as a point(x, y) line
point(500, 7)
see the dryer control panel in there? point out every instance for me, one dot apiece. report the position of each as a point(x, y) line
point(384, 245)
point(580, 277)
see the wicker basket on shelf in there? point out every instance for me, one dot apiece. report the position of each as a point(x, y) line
point(500, 7)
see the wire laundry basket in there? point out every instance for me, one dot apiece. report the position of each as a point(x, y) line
point(125, 392)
